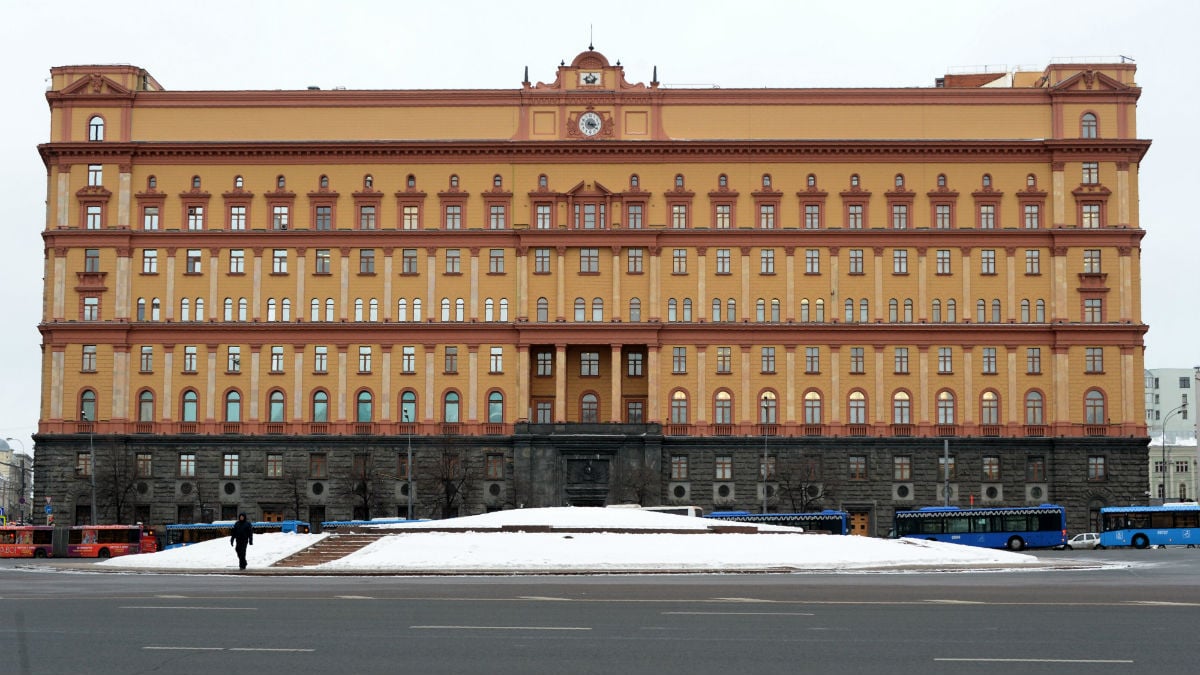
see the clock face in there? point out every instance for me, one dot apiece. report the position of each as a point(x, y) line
point(590, 123)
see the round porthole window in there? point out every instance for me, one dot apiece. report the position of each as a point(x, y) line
point(494, 489)
point(1035, 492)
point(680, 492)
point(230, 488)
point(902, 491)
point(992, 493)
point(318, 488)
point(723, 491)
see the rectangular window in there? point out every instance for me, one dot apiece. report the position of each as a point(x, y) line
point(88, 359)
point(723, 266)
point(364, 359)
point(633, 260)
point(496, 261)
point(91, 308)
point(450, 359)
point(858, 360)
point(766, 261)
point(987, 261)
point(94, 217)
point(496, 362)
point(634, 217)
point(279, 217)
point(279, 260)
point(453, 261)
point(187, 465)
point(143, 465)
point(679, 215)
point(679, 467)
point(900, 216)
point(989, 360)
point(679, 261)
point(943, 261)
point(229, 465)
point(635, 364)
point(854, 217)
point(1094, 360)
point(678, 360)
point(274, 465)
point(945, 360)
point(589, 260)
point(767, 358)
point(1035, 469)
point(453, 219)
point(1097, 468)
point(194, 262)
point(812, 360)
point(812, 216)
point(1033, 261)
point(237, 217)
point(95, 175)
point(277, 358)
point(237, 261)
point(366, 217)
point(541, 261)
point(1091, 261)
point(1033, 361)
point(987, 216)
point(545, 364)
point(1033, 217)
point(543, 216)
point(408, 262)
point(366, 261)
point(233, 359)
point(946, 468)
point(91, 260)
point(723, 217)
point(408, 359)
point(724, 360)
point(318, 465)
point(83, 464)
point(900, 361)
point(766, 217)
point(1090, 173)
point(494, 467)
point(589, 364)
point(324, 219)
point(723, 467)
point(858, 467)
point(150, 261)
point(1093, 310)
point(900, 261)
point(1090, 214)
point(150, 218)
point(323, 263)
point(189, 359)
point(941, 217)
point(812, 261)
point(195, 217)
point(902, 467)
point(146, 364)
point(856, 261)
point(497, 217)
point(320, 359)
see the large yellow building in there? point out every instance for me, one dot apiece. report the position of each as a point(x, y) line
point(591, 291)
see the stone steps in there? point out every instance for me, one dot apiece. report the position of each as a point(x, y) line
point(333, 547)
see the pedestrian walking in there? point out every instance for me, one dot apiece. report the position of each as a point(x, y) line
point(242, 536)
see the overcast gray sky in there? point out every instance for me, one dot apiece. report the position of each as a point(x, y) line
point(486, 45)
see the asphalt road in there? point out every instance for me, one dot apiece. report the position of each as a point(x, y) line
point(1138, 618)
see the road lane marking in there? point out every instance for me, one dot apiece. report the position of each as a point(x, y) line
point(1037, 660)
point(269, 649)
point(741, 613)
point(354, 597)
point(233, 609)
point(499, 628)
point(186, 649)
point(956, 602)
point(224, 649)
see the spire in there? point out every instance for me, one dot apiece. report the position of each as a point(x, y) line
point(654, 79)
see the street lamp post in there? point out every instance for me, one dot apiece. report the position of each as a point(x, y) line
point(92, 460)
point(766, 471)
point(1166, 484)
point(408, 466)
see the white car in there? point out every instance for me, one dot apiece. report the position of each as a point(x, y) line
point(1083, 540)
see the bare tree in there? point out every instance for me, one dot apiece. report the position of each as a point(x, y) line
point(444, 483)
point(364, 488)
point(799, 486)
point(640, 483)
point(115, 482)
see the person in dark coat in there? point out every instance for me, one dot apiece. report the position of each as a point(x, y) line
point(243, 535)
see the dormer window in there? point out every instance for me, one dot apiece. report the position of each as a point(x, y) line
point(280, 182)
point(722, 181)
point(96, 128)
point(238, 183)
point(454, 181)
point(195, 182)
point(987, 180)
point(899, 180)
point(941, 180)
point(411, 182)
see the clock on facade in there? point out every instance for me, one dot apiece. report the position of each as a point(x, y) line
point(590, 123)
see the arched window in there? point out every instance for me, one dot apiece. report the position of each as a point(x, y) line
point(589, 409)
point(901, 408)
point(329, 309)
point(416, 309)
point(687, 309)
point(146, 406)
point(580, 309)
point(87, 405)
point(597, 309)
point(987, 180)
point(141, 309)
point(849, 310)
point(1087, 125)
point(543, 310)
point(899, 180)
point(489, 310)
point(314, 310)
point(1034, 408)
point(408, 407)
point(445, 309)
point(854, 182)
point(893, 310)
point(908, 310)
point(155, 309)
point(372, 309)
point(199, 309)
point(981, 311)
point(1093, 408)
point(766, 180)
point(1025, 316)
point(634, 181)
point(195, 182)
point(864, 314)
point(635, 309)
point(941, 180)
point(679, 181)
point(543, 181)
point(402, 309)
point(804, 309)
point(190, 406)
point(857, 408)
point(323, 182)
point(320, 406)
point(271, 309)
point(731, 310)
point(819, 310)
point(996, 311)
point(368, 182)
point(1031, 181)
point(760, 310)
point(454, 181)
point(679, 408)
point(716, 309)
point(495, 408)
point(238, 182)
point(460, 308)
point(497, 181)
point(1039, 314)
point(723, 181)
point(945, 408)
point(450, 407)
point(989, 408)
point(768, 408)
point(151, 183)
point(365, 408)
point(280, 182)
point(811, 181)
point(96, 128)
point(723, 408)
point(936, 312)
point(358, 309)
point(275, 406)
point(812, 408)
point(185, 313)
point(951, 311)
point(233, 406)
point(775, 308)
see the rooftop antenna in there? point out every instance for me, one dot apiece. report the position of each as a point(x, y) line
point(590, 40)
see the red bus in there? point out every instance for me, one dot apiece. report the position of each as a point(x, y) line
point(80, 541)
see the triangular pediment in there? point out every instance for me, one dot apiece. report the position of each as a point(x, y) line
point(582, 188)
point(1090, 80)
point(95, 84)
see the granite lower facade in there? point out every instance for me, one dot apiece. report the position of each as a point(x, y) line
point(165, 479)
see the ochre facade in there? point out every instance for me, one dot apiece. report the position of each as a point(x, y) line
point(250, 291)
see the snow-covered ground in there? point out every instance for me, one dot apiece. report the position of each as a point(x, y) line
point(411, 547)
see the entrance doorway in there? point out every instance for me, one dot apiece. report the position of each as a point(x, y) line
point(860, 523)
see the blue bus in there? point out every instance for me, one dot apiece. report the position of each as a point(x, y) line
point(1014, 528)
point(1144, 526)
point(185, 534)
point(335, 525)
point(829, 521)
